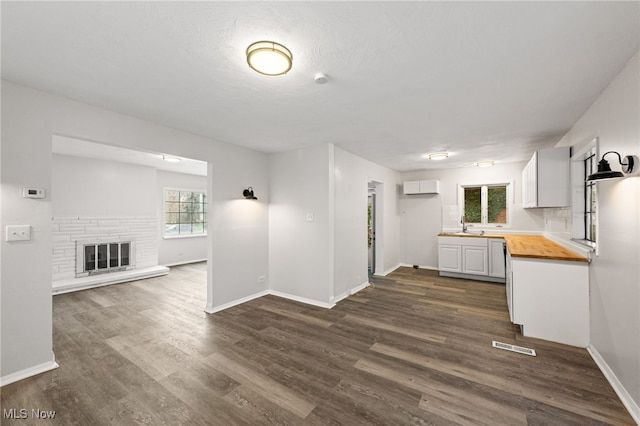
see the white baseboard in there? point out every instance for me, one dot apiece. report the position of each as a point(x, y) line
point(27, 372)
point(92, 281)
point(348, 293)
point(213, 309)
point(388, 271)
point(186, 262)
point(336, 299)
point(302, 299)
point(631, 405)
point(431, 268)
point(359, 288)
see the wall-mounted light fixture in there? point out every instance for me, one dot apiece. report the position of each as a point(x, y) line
point(438, 156)
point(269, 58)
point(604, 170)
point(248, 194)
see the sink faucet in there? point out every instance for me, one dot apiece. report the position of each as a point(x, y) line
point(464, 226)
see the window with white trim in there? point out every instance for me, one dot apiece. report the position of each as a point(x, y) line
point(584, 200)
point(185, 212)
point(485, 204)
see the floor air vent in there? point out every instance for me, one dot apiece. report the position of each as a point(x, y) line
point(514, 348)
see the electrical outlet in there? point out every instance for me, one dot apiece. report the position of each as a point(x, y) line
point(261, 279)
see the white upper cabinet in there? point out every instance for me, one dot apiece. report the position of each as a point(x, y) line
point(421, 187)
point(546, 179)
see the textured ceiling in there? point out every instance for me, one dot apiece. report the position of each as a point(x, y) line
point(482, 80)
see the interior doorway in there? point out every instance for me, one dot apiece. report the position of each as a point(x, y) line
point(371, 232)
point(104, 193)
point(374, 227)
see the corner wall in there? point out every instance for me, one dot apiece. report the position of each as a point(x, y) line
point(323, 258)
point(614, 275)
point(352, 175)
point(300, 223)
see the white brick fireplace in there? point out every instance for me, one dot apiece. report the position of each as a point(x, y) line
point(70, 235)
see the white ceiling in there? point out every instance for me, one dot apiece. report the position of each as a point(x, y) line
point(87, 149)
point(482, 80)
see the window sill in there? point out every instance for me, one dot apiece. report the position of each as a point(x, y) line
point(179, 237)
point(589, 244)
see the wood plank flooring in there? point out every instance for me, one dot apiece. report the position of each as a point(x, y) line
point(412, 349)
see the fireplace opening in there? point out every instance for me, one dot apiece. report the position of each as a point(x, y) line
point(98, 258)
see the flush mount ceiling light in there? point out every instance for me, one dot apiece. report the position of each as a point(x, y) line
point(171, 159)
point(269, 58)
point(438, 156)
point(248, 194)
point(604, 170)
point(485, 163)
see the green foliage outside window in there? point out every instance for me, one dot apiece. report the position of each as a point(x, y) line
point(472, 205)
point(185, 212)
point(497, 204)
point(489, 199)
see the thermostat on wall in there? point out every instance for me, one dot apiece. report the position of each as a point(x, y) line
point(33, 192)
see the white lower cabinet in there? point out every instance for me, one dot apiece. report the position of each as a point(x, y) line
point(450, 258)
point(475, 260)
point(549, 299)
point(466, 257)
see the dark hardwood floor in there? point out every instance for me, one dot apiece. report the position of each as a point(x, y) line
point(414, 348)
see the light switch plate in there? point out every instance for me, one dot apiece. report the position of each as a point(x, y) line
point(18, 233)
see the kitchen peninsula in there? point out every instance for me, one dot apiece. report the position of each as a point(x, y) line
point(547, 285)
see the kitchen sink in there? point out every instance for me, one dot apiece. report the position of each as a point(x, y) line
point(466, 234)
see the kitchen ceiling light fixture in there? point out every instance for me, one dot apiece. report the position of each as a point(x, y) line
point(438, 156)
point(269, 58)
point(171, 159)
point(248, 194)
point(604, 169)
point(485, 163)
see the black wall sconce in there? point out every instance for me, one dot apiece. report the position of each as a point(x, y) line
point(248, 194)
point(604, 170)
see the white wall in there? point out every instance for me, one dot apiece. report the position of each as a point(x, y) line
point(175, 251)
point(92, 200)
point(237, 246)
point(300, 251)
point(25, 314)
point(615, 273)
point(324, 260)
point(85, 190)
point(95, 188)
point(352, 175)
point(422, 215)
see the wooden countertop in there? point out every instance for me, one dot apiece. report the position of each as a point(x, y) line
point(530, 246)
